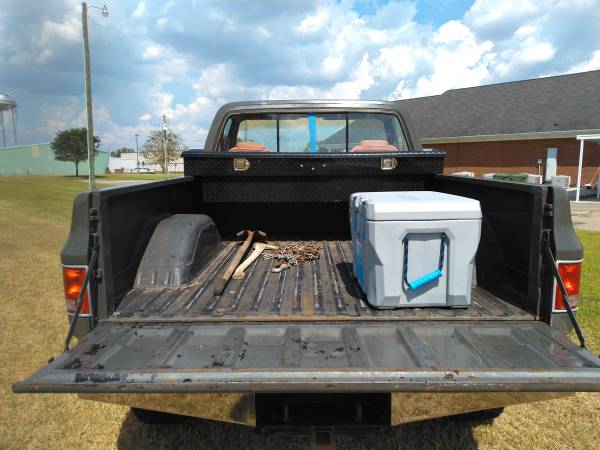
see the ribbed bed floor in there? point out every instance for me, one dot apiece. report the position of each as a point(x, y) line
point(321, 290)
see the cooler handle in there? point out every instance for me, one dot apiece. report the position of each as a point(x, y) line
point(437, 273)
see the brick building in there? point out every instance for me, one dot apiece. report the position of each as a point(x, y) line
point(523, 126)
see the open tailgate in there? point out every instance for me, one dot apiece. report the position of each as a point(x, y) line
point(325, 357)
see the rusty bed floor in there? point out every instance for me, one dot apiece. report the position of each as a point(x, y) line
point(322, 290)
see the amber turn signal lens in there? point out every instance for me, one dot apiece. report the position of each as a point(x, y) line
point(571, 276)
point(73, 279)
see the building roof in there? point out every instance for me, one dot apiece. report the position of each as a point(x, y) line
point(543, 105)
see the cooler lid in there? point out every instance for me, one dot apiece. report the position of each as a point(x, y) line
point(357, 198)
point(418, 205)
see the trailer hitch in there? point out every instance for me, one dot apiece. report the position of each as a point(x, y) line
point(563, 290)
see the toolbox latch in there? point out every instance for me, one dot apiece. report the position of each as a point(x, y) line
point(389, 163)
point(240, 164)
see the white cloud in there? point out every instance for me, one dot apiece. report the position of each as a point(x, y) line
point(116, 135)
point(452, 31)
point(536, 52)
point(185, 62)
point(332, 64)
point(358, 54)
point(393, 15)
point(591, 64)
point(535, 37)
point(395, 63)
point(500, 18)
point(314, 22)
point(161, 102)
point(151, 52)
point(525, 31)
point(61, 116)
point(264, 33)
point(140, 10)
point(361, 79)
point(69, 30)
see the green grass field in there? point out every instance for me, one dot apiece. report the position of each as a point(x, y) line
point(34, 220)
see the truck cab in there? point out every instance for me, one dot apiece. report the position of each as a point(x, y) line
point(303, 347)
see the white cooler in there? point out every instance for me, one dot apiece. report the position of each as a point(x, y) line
point(355, 203)
point(414, 248)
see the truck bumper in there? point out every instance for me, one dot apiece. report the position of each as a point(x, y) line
point(240, 408)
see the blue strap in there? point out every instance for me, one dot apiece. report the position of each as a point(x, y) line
point(425, 279)
point(437, 273)
point(312, 132)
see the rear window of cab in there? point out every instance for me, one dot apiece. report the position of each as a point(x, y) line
point(313, 133)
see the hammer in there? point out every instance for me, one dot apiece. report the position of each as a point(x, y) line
point(222, 282)
point(257, 249)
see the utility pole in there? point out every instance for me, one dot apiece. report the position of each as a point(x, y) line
point(164, 129)
point(88, 98)
point(88, 92)
point(137, 154)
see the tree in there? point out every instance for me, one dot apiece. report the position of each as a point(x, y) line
point(71, 145)
point(118, 152)
point(153, 150)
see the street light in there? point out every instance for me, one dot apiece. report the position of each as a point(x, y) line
point(88, 90)
point(137, 154)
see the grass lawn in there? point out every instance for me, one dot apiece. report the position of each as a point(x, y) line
point(34, 221)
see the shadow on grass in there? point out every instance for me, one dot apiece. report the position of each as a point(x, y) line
point(446, 433)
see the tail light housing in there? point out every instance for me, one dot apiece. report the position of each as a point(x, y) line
point(570, 272)
point(73, 280)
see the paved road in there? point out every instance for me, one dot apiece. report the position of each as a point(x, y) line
point(586, 215)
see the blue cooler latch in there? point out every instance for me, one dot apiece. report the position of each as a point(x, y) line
point(432, 276)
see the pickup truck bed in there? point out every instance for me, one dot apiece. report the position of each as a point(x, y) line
point(321, 290)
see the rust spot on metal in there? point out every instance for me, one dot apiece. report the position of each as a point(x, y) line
point(94, 349)
point(75, 364)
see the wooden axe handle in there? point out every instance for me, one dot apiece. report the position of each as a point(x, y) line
point(258, 248)
point(222, 282)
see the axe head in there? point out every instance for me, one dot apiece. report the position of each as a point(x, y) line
point(243, 235)
point(260, 235)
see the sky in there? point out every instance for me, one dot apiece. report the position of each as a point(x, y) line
point(185, 59)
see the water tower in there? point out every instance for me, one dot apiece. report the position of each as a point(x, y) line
point(8, 113)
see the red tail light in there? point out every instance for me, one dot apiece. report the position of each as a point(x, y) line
point(73, 279)
point(571, 276)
